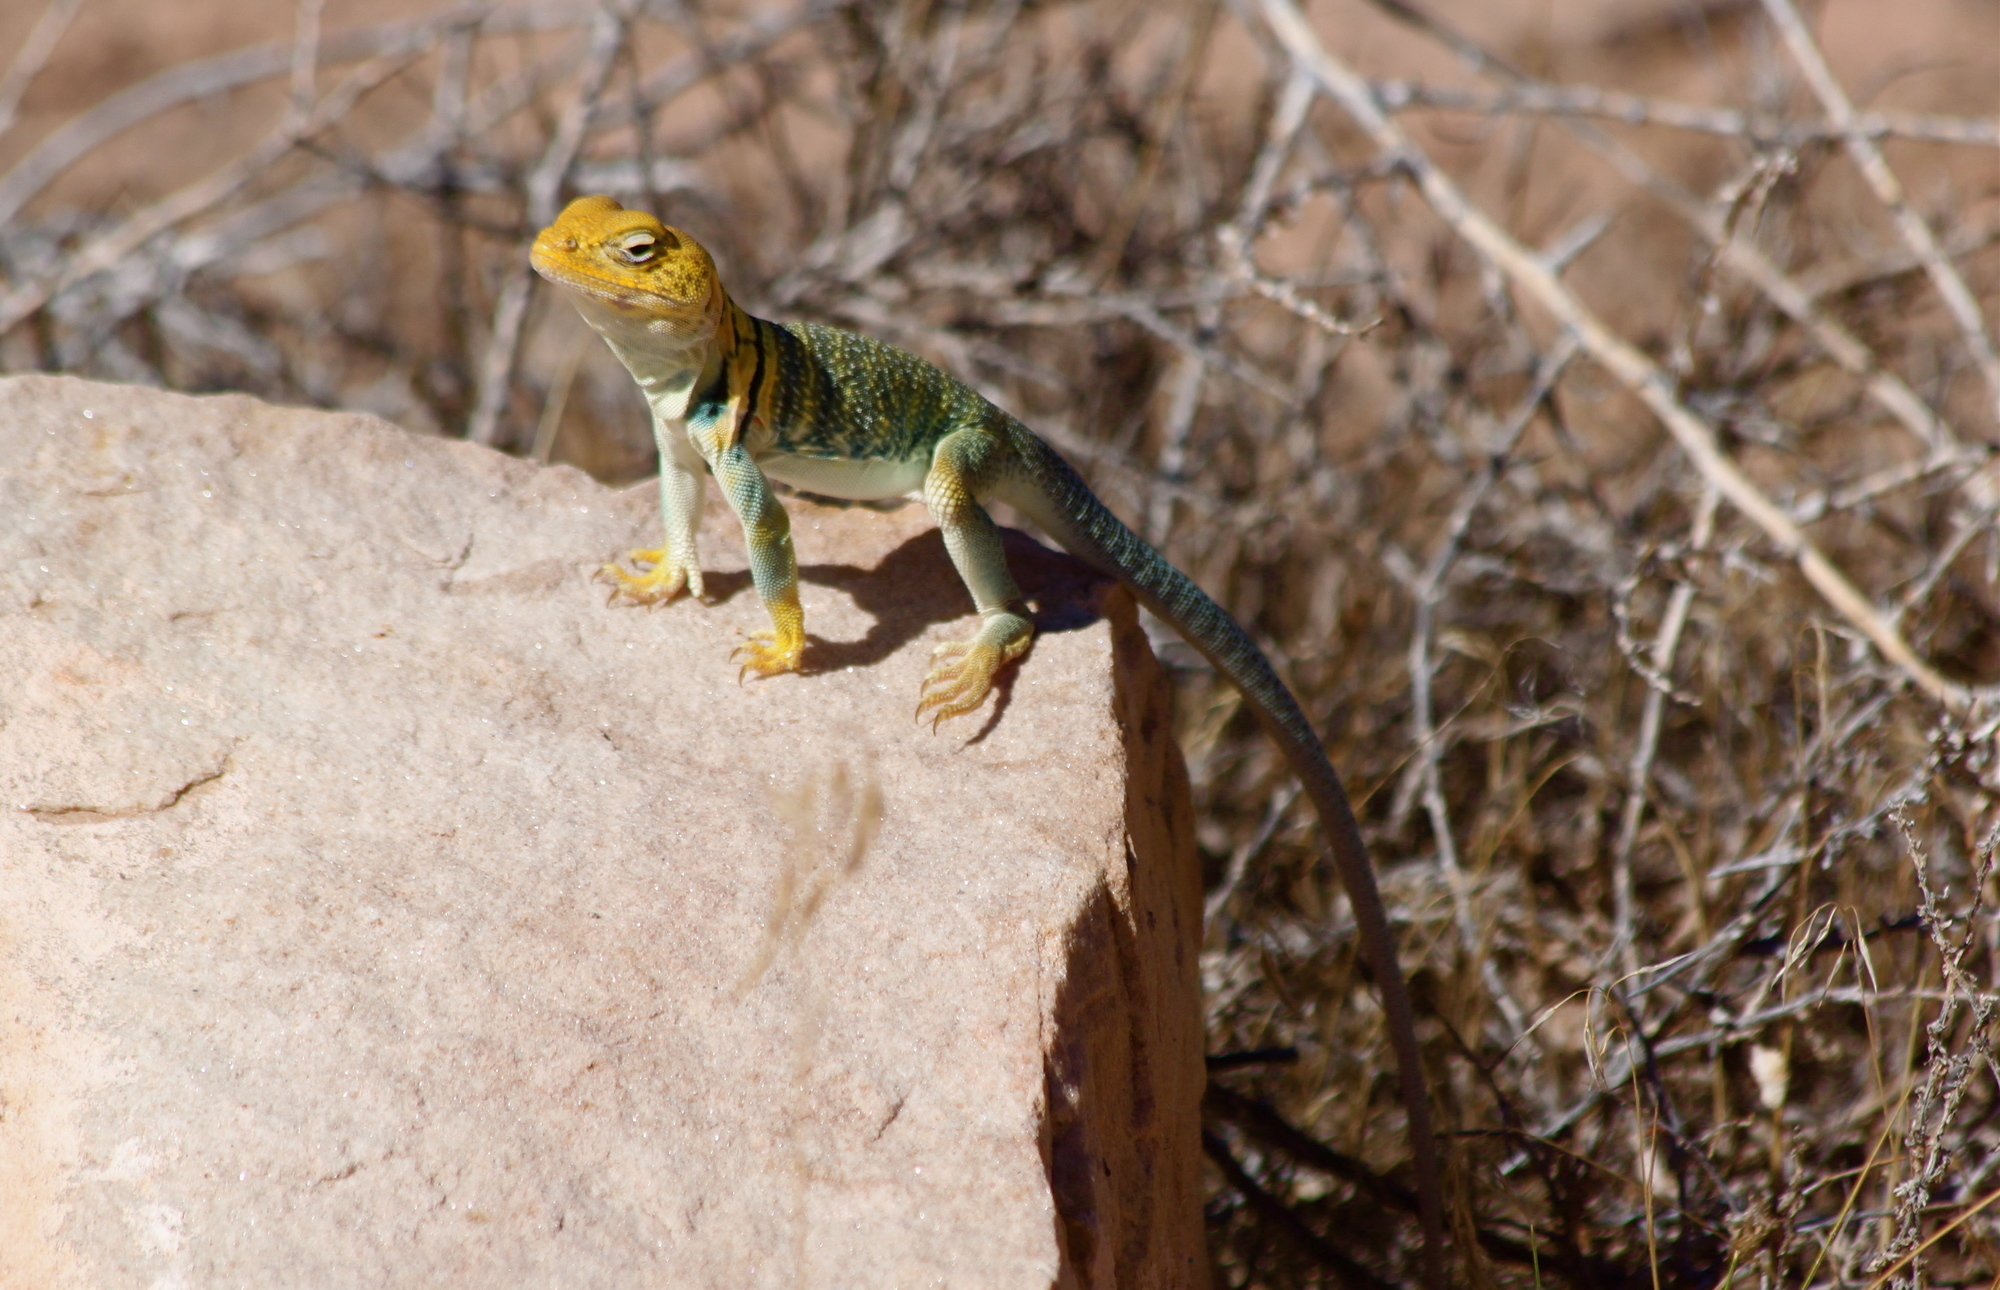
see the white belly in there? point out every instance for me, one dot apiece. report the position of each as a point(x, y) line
point(858, 481)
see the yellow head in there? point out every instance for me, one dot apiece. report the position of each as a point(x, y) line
point(624, 269)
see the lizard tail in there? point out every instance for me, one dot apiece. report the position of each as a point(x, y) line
point(1049, 492)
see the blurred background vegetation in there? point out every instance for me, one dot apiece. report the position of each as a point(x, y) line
point(1636, 555)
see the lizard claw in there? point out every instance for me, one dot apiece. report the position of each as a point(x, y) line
point(960, 681)
point(768, 655)
point(962, 672)
point(663, 581)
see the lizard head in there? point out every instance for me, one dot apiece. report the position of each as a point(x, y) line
point(625, 269)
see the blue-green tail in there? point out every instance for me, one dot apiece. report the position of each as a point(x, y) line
point(1049, 492)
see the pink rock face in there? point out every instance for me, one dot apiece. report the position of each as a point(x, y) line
point(378, 907)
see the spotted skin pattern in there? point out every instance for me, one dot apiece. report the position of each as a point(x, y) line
point(748, 401)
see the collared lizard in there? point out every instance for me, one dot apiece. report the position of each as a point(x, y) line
point(839, 414)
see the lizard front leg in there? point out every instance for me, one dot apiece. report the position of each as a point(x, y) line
point(675, 567)
point(962, 469)
point(767, 532)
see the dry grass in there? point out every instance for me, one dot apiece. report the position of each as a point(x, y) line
point(1594, 417)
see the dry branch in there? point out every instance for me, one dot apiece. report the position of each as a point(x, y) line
point(1922, 242)
point(1624, 945)
point(106, 249)
point(32, 56)
point(544, 190)
point(210, 76)
point(1738, 253)
point(1635, 109)
point(1632, 368)
point(1427, 590)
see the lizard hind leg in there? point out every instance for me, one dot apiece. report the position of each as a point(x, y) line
point(962, 672)
point(963, 466)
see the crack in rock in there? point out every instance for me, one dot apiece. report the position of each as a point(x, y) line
point(98, 814)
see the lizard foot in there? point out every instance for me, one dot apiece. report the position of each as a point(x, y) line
point(662, 583)
point(962, 672)
point(769, 653)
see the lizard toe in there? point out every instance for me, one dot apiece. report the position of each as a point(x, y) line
point(960, 684)
point(663, 581)
point(963, 671)
point(768, 655)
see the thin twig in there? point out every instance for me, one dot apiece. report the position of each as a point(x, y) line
point(1636, 109)
point(1143, 312)
point(1947, 1075)
point(186, 82)
point(107, 249)
point(1239, 859)
point(1427, 591)
point(33, 56)
point(1624, 906)
point(1738, 253)
point(545, 183)
point(1350, 1272)
point(1632, 368)
point(543, 445)
point(305, 56)
point(1889, 191)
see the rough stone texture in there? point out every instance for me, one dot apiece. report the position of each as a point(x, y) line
point(379, 908)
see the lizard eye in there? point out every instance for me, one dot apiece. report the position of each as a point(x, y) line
point(636, 247)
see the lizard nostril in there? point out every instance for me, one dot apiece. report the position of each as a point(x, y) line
point(569, 244)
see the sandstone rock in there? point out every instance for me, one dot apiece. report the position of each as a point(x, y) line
point(380, 908)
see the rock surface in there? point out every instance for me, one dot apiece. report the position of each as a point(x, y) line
point(380, 908)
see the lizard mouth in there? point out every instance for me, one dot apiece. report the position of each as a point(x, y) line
point(564, 273)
